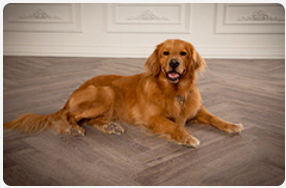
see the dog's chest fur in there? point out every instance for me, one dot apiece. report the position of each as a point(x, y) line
point(183, 107)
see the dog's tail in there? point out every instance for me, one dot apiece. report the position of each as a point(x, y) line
point(30, 123)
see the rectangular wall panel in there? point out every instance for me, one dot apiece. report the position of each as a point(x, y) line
point(250, 18)
point(42, 17)
point(148, 18)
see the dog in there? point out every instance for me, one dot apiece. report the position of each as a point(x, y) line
point(162, 99)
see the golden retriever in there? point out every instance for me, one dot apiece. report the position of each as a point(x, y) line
point(162, 99)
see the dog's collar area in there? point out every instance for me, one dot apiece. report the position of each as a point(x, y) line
point(181, 100)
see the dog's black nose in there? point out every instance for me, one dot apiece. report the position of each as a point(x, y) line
point(174, 63)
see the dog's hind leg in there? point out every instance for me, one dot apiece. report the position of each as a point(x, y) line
point(93, 103)
point(75, 129)
point(106, 126)
point(68, 124)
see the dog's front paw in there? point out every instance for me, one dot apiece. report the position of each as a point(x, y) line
point(191, 141)
point(233, 128)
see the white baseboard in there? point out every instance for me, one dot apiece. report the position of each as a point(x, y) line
point(226, 52)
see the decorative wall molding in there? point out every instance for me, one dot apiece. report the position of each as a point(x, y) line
point(148, 15)
point(148, 18)
point(234, 52)
point(250, 18)
point(40, 14)
point(34, 17)
point(260, 16)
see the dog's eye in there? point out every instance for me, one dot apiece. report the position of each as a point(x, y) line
point(166, 53)
point(183, 53)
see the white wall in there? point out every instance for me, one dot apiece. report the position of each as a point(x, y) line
point(133, 30)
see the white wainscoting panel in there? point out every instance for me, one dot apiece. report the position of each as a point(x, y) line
point(133, 30)
point(250, 18)
point(148, 18)
point(42, 17)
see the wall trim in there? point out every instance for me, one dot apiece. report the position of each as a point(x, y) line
point(147, 20)
point(228, 52)
point(37, 19)
point(245, 22)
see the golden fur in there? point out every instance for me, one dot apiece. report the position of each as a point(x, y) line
point(163, 98)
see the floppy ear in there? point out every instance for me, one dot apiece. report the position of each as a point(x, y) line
point(152, 65)
point(198, 62)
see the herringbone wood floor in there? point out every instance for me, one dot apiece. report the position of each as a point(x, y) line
point(250, 92)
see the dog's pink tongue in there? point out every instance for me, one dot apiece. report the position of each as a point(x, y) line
point(173, 75)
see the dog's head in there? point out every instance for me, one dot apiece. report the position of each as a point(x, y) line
point(174, 59)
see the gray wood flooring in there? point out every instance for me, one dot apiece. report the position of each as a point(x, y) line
point(251, 92)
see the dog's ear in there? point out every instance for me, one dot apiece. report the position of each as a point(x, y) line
point(198, 63)
point(152, 65)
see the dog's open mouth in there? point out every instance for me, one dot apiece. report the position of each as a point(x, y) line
point(173, 76)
